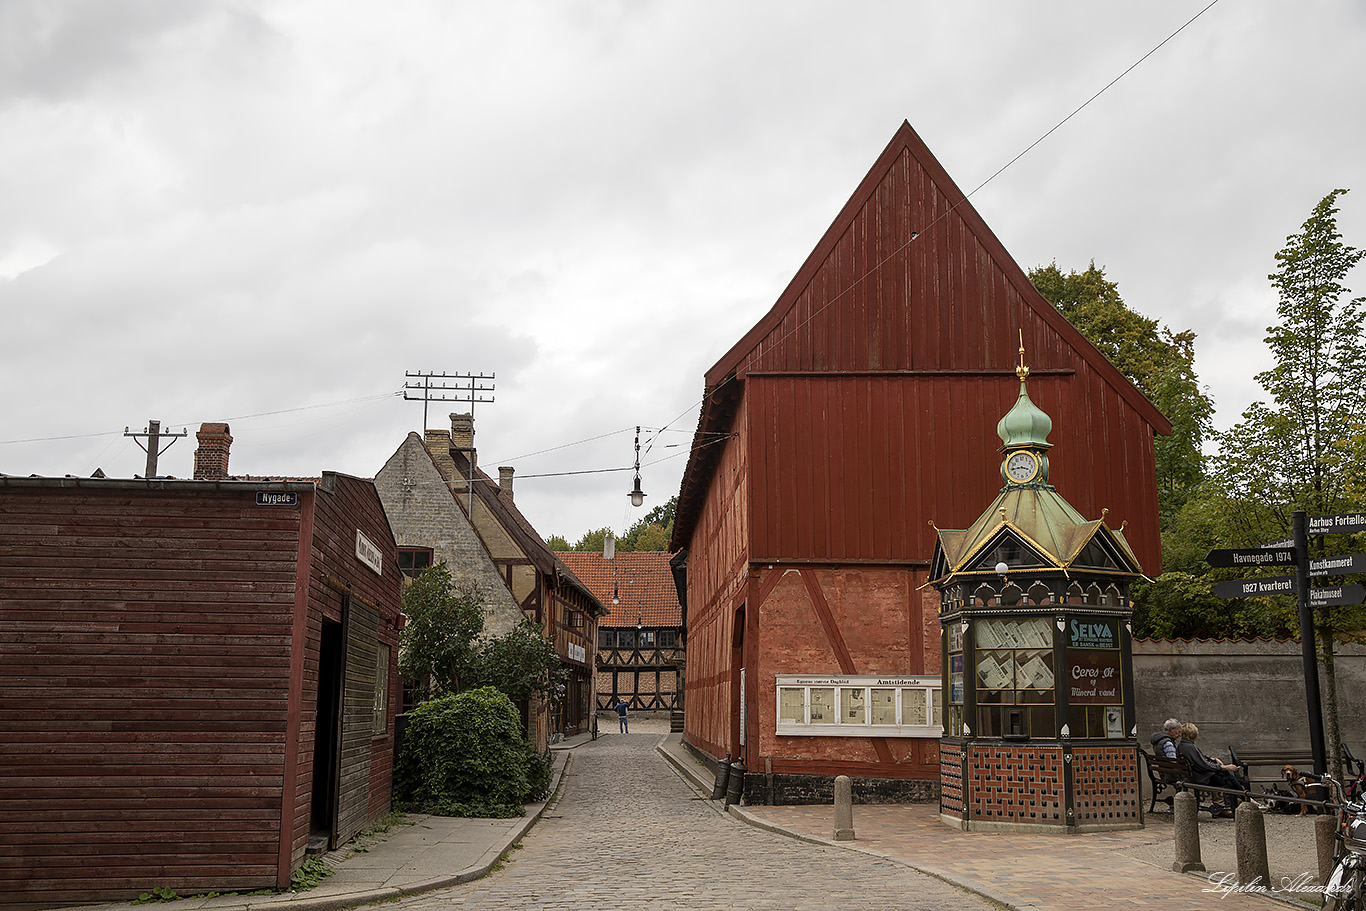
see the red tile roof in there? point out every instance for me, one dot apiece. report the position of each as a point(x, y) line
point(644, 583)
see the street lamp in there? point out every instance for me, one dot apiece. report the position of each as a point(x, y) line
point(637, 495)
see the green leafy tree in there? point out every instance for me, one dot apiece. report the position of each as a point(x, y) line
point(557, 543)
point(1161, 363)
point(592, 541)
point(437, 648)
point(1299, 450)
point(521, 663)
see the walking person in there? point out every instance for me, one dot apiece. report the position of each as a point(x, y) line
point(621, 715)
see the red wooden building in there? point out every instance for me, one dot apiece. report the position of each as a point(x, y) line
point(197, 676)
point(859, 410)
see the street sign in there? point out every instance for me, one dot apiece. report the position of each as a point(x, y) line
point(1338, 566)
point(1343, 594)
point(1248, 588)
point(1250, 556)
point(1342, 523)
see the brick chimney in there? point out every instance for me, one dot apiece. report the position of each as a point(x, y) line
point(505, 481)
point(211, 458)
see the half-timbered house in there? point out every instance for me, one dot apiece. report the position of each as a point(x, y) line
point(198, 676)
point(541, 587)
point(853, 415)
point(641, 640)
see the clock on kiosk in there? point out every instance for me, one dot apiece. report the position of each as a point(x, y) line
point(1021, 467)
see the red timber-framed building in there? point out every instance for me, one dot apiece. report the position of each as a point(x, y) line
point(857, 412)
point(199, 676)
point(641, 640)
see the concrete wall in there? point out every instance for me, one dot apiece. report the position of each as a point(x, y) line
point(1246, 693)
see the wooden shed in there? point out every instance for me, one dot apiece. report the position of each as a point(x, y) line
point(858, 411)
point(197, 676)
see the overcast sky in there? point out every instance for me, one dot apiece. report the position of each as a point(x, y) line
point(213, 211)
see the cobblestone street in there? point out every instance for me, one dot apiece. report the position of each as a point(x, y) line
point(628, 833)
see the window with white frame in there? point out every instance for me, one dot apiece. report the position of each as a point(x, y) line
point(859, 706)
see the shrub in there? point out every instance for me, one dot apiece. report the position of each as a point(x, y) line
point(464, 755)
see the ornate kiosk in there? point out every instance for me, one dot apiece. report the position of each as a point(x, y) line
point(1039, 728)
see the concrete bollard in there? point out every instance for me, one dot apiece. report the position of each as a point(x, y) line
point(844, 809)
point(1187, 832)
point(735, 787)
point(722, 778)
point(1325, 840)
point(1249, 833)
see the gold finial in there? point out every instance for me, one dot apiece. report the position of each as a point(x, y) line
point(1103, 513)
point(1022, 371)
point(932, 525)
point(1123, 525)
point(1003, 514)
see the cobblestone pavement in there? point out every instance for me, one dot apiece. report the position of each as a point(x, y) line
point(628, 833)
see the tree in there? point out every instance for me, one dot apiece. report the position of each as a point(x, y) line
point(521, 663)
point(557, 543)
point(437, 647)
point(1159, 362)
point(651, 533)
point(1298, 451)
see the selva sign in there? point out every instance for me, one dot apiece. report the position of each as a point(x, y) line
point(1093, 633)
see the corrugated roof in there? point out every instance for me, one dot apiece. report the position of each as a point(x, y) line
point(644, 585)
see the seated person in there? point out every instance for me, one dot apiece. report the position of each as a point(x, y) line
point(1164, 741)
point(1207, 770)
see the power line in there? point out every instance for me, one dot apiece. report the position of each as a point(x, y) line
point(999, 171)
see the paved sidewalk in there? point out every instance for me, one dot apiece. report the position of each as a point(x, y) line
point(1046, 872)
point(418, 854)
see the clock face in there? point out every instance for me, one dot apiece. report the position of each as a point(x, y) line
point(1022, 466)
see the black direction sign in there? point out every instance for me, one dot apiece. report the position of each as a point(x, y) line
point(1342, 523)
point(1251, 556)
point(1248, 588)
point(1338, 566)
point(1344, 594)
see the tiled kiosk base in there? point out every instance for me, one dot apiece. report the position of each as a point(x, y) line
point(1039, 787)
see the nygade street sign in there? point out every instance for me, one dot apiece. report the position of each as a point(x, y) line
point(1343, 594)
point(1338, 566)
point(1251, 556)
point(1249, 588)
point(1342, 523)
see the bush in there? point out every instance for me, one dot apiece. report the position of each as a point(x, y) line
point(538, 768)
point(464, 755)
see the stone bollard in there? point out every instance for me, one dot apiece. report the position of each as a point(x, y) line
point(1187, 832)
point(1325, 840)
point(1249, 833)
point(722, 778)
point(735, 788)
point(844, 809)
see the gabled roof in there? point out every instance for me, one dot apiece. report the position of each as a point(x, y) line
point(506, 514)
point(943, 208)
point(643, 581)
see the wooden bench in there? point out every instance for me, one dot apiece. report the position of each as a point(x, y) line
point(1263, 767)
point(1164, 774)
point(1175, 774)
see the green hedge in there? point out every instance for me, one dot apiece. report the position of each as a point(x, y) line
point(464, 755)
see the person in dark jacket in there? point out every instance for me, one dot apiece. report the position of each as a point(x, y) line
point(1207, 769)
point(1164, 741)
point(621, 715)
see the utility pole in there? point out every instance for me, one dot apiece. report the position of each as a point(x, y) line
point(154, 448)
point(454, 387)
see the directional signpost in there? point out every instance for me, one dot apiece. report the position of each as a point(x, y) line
point(1294, 552)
